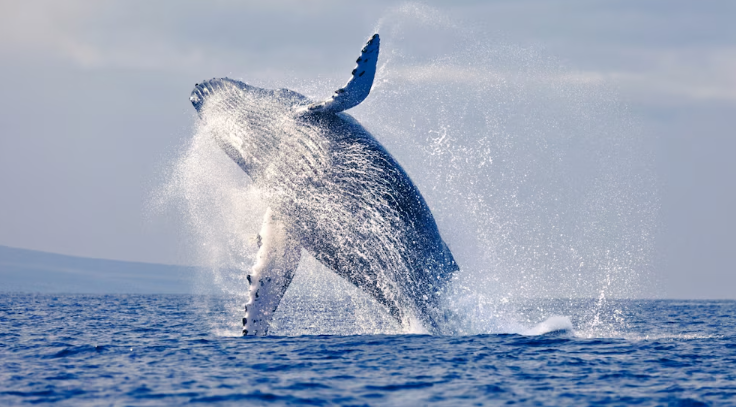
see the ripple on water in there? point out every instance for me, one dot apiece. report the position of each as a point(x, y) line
point(111, 361)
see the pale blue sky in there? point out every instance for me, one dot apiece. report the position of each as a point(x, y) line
point(95, 101)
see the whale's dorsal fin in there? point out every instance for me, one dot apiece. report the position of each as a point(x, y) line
point(359, 85)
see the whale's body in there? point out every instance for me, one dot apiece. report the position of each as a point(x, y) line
point(333, 190)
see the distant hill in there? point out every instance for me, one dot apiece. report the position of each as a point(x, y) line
point(33, 271)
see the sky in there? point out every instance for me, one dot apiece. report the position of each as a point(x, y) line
point(95, 103)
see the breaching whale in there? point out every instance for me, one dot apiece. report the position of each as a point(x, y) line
point(333, 190)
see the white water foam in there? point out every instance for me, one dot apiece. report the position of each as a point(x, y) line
point(554, 323)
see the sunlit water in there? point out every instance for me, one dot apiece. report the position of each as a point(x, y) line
point(160, 350)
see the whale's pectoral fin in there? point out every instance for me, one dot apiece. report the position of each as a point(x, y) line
point(277, 260)
point(359, 85)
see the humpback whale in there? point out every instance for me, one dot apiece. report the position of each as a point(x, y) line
point(333, 191)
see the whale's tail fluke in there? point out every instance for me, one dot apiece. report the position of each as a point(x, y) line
point(359, 85)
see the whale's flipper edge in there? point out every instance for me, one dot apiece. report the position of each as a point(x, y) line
point(359, 85)
point(277, 260)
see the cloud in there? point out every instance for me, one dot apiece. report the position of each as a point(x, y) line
point(489, 77)
point(651, 58)
point(691, 73)
point(175, 36)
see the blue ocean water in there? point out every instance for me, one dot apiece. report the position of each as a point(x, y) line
point(162, 350)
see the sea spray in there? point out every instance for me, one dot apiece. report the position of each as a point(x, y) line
point(537, 176)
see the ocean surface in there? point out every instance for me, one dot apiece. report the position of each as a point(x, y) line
point(164, 350)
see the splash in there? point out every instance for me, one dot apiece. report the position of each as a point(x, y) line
point(538, 177)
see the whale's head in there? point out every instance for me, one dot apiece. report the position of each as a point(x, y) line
point(247, 122)
point(214, 92)
point(253, 125)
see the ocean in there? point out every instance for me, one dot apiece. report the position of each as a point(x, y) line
point(164, 350)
